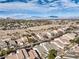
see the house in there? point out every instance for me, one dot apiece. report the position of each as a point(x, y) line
point(18, 55)
point(3, 44)
point(75, 48)
point(49, 34)
point(12, 43)
point(55, 31)
point(59, 43)
point(70, 35)
point(39, 36)
point(58, 57)
point(55, 45)
point(58, 39)
point(26, 55)
point(48, 46)
point(14, 56)
point(65, 40)
point(60, 29)
point(67, 37)
point(42, 52)
point(73, 53)
point(44, 35)
point(32, 54)
point(19, 42)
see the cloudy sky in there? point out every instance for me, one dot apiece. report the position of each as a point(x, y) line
point(39, 8)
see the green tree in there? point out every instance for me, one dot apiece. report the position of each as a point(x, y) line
point(31, 40)
point(6, 52)
point(52, 54)
point(72, 41)
point(77, 40)
point(3, 52)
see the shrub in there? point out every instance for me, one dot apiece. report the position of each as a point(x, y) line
point(52, 54)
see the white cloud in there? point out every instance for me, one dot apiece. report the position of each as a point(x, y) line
point(26, 6)
point(34, 2)
point(69, 3)
point(33, 6)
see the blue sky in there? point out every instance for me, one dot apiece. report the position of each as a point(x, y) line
point(39, 8)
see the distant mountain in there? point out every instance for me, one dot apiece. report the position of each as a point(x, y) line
point(54, 16)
